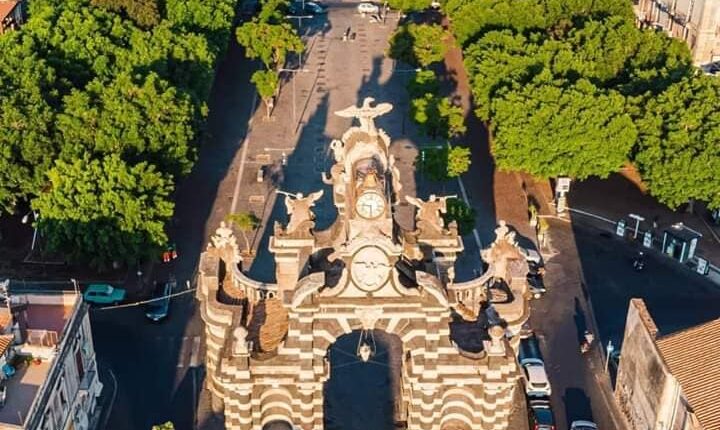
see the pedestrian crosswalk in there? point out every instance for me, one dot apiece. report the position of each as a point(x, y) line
point(185, 350)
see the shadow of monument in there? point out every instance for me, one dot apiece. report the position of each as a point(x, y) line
point(301, 174)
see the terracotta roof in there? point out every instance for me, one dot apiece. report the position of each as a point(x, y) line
point(692, 356)
point(5, 318)
point(6, 7)
point(5, 341)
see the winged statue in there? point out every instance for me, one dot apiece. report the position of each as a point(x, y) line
point(366, 114)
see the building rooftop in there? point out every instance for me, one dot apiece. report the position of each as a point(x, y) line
point(6, 6)
point(41, 318)
point(692, 356)
point(21, 391)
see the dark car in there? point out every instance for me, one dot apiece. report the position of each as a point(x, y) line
point(159, 307)
point(541, 415)
point(536, 285)
point(529, 349)
point(311, 8)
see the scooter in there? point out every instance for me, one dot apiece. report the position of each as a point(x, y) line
point(639, 262)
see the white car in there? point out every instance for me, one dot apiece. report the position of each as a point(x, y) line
point(365, 8)
point(537, 382)
point(583, 425)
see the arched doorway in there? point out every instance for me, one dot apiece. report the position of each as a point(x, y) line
point(361, 395)
point(277, 425)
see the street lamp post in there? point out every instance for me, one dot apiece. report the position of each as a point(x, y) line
point(609, 350)
point(299, 17)
point(25, 220)
point(637, 219)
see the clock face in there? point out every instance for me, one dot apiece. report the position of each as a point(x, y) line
point(370, 205)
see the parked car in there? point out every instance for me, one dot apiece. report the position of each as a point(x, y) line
point(541, 414)
point(365, 8)
point(583, 425)
point(529, 349)
point(160, 306)
point(536, 285)
point(315, 8)
point(103, 294)
point(537, 382)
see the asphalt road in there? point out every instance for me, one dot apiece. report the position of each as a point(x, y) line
point(676, 297)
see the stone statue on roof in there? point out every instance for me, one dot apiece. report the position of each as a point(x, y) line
point(299, 210)
point(366, 114)
point(429, 212)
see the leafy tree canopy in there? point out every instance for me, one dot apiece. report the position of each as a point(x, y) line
point(437, 116)
point(679, 151)
point(423, 82)
point(149, 121)
point(419, 44)
point(549, 130)
point(102, 210)
point(409, 5)
point(145, 13)
point(270, 43)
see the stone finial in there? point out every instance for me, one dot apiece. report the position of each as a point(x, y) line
point(366, 114)
point(496, 346)
point(240, 343)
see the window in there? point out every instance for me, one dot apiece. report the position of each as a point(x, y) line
point(79, 364)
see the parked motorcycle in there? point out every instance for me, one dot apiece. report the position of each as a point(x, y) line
point(639, 262)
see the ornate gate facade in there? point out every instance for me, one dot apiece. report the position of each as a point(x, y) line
point(267, 344)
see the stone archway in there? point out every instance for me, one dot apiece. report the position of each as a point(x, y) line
point(365, 272)
point(278, 425)
point(361, 395)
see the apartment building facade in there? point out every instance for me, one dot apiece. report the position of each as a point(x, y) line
point(697, 22)
point(50, 378)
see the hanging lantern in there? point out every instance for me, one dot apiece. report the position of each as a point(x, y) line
point(366, 346)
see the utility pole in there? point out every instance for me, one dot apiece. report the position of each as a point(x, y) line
point(637, 219)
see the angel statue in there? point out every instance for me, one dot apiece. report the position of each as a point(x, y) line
point(298, 209)
point(429, 211)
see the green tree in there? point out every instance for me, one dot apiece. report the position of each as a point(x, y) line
point(105, 210)
point(549, 131)
point(270, 43)
point(245, 222)
point(443, 163)
point(409, 5)
point(165, 426)
point(461, 213)
point(452, 117)
point(423, 82)
point(150, 121)
point(419, 44)
point(266, 82)
point(27, 142)
point(679, 150)
point(458, 161)
point(144, 13)
point(437, 116)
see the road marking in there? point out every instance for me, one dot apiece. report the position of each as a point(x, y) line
point(243, 156)
point(195, 354)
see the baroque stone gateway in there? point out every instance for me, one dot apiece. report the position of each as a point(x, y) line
point(268, 344)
